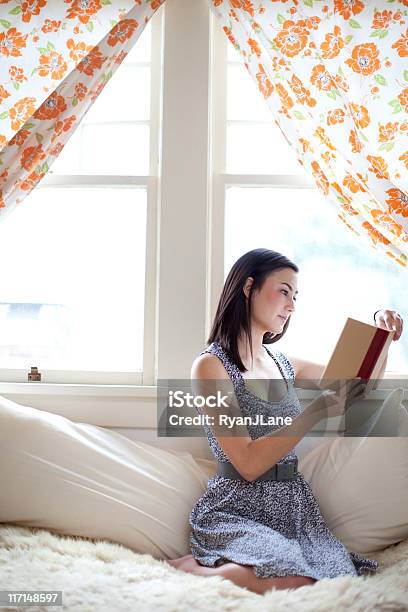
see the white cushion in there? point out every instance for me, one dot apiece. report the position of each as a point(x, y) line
point(361, 483)
point(84, 480)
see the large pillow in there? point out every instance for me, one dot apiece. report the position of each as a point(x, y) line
point(84, 480)
point(361, 483)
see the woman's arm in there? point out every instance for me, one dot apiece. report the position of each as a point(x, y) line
point(307, 373)
point(250, 457)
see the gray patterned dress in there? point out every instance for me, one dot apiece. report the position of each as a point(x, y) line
point(274, 526)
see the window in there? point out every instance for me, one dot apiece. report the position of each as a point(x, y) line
point(161, 192)
point(269, 201)
point(72, 297)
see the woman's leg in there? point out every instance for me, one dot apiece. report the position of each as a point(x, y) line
point(241, 575)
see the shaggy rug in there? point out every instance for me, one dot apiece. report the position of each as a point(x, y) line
point(97, 575)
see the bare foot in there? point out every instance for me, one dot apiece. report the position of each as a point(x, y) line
point(176, 562)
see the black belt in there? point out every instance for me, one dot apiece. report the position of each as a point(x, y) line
point(280, 471)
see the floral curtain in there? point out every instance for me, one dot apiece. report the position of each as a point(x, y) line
point(335, 77)
point(55, 59)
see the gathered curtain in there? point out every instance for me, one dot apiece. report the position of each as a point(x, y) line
point(333, 75)
point(55, 59)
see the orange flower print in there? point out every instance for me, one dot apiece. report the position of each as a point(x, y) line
point(56, 149)
point(245, 5)
point(320, 177)
point(30, 8)
point(83, 9)
point(387, 132)
point(52, 64)
point(51, 26)
point(347, 9)
point(403, 99)
point(31, 157)
point(80, 91)
point(335, 116)
point(305, 144)
point(97, 90)
point(93, 61)
point(397, 202)
point(21, 111)
point(53, 106)
point(3, 94)
point(285, 98)
point(30, 182)
point(120, 57)
point(78, 50)
point(321, 78)
point(381, 20)
point(63, 126)
point(293, 38)
point(401, 45)
point(360, 115)
point(375, 235)
point(378, 166)
point(384, 220)
point(341, 83)
point(302, 94)
point(231, 38)
point(364, 59)
point(356, 146)
point(323, 137)
point(20, 138)
point(254, 47)
point(122, 31)
point(353, 185)
point(264, 84)
point(11, 42)
point(333, 44)
point(404, 159)
point(3, 142)
point(341, 193)
point(17, 74)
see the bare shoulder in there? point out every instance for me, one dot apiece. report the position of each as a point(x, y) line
point(208, 366)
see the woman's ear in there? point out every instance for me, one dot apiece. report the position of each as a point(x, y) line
point(247, 286)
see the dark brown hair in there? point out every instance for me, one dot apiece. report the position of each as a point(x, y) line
point(234, 310)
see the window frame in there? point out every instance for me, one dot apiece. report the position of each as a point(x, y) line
point(222, 180)
point(189, 200)
point(150, 183)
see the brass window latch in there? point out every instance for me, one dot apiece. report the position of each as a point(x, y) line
point(34, 374)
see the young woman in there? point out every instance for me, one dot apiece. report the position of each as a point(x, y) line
point(258, 523)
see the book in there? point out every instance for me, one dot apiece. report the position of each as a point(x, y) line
point(359, 353)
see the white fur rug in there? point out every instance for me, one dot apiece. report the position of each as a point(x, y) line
point(99, 575)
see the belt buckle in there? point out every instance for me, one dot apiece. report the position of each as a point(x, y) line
point(287, 471)
point(284, 471)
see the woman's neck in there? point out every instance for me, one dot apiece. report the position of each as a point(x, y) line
point(258, 349)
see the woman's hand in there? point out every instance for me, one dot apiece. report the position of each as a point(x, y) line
point(390, 320)
point(331, 403)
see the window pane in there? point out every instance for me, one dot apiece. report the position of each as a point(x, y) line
point(141, 50)
point(339, 277)
point(126, 97)
point(260, 149)
point(244, 100)
point(106, 149)
point(72, 295)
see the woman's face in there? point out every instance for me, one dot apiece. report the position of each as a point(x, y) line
point(275, 301)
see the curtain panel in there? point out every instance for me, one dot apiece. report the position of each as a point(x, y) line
point(335, 78)
point(55, 59)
